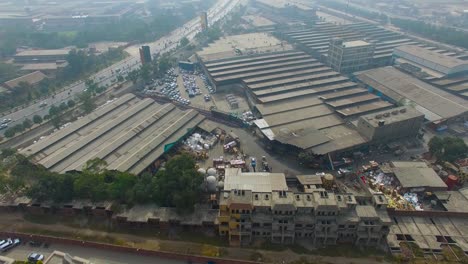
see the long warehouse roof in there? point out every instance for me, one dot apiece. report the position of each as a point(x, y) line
point(129, 134)
point(433, 102)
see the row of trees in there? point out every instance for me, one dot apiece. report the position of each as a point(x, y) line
point(448, 148)
point(55, 113)
point(157, 68)
point(439, 33)
point(177, 185)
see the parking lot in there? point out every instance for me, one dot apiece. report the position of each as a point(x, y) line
point(192, 88)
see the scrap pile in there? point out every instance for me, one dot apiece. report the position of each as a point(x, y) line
point(199, 144)
point(232, 143)
point(247, 117)
point(380, 180)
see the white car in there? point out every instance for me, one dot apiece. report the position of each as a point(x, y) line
point(35, 257)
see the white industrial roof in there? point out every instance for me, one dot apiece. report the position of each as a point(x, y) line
point(235, 179)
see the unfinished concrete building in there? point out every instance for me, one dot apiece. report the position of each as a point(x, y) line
point(265, 208)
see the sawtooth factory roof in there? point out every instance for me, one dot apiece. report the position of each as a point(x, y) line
point(129, 134)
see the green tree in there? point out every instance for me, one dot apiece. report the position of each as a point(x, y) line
point(164, 63)
point(90, 186)
point(63, 106)
point(71, 103)
point(145, 72)
point(87, 102)
point(100, 89)
point(448, 148)
point(56, 120)
point(54, 110)
point(27, 123)
point(184, 42)
point(454, 148)
point(19, 128)
point(91, 86)
point(7, 72)
point(121, 186)
point(133, 76)
point(436, 146)
point(37, 119)
point(10, 132)
point(142, 190)
point(179, 184)
point(120, 78)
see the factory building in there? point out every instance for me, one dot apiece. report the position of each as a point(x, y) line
point(396, 123)
point(316, 40)
point(436, 64)
point(300, 103)
point(289, 8)
point(349, 56)
point(129, 134)
point(36, 56)
point(266, 209)
point(438, 106)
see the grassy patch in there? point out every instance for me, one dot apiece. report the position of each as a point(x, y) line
point(198, 237)
point(44, 219)
point(92, 238)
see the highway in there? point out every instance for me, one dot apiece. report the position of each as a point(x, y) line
point(107, 76)
point(96, 256)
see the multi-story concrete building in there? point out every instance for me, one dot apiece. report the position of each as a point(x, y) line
point(349, 56)
point(281, 216)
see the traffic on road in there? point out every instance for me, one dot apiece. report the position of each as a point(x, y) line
point(108, 76)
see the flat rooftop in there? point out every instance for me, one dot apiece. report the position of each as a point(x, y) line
point(48, 52)
point(235, 179)
point(435, 103)
point(285, 3)
point(245, 44)
point(416, 174)
point(355, 44)
point(129, 134)
point(394, 115)
point(258, 21)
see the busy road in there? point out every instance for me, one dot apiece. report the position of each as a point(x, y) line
point(109, 75)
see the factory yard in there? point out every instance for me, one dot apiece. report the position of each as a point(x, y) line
point(251, 147)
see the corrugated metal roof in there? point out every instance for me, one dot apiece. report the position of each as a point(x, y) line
point(129, 134)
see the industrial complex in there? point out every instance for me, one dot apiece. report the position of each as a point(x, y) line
point(318, 155)
point(129, 134)
point(300, 101)
point(436, 104)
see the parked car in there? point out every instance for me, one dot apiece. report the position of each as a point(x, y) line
point(35, 257)
point(9, 244)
